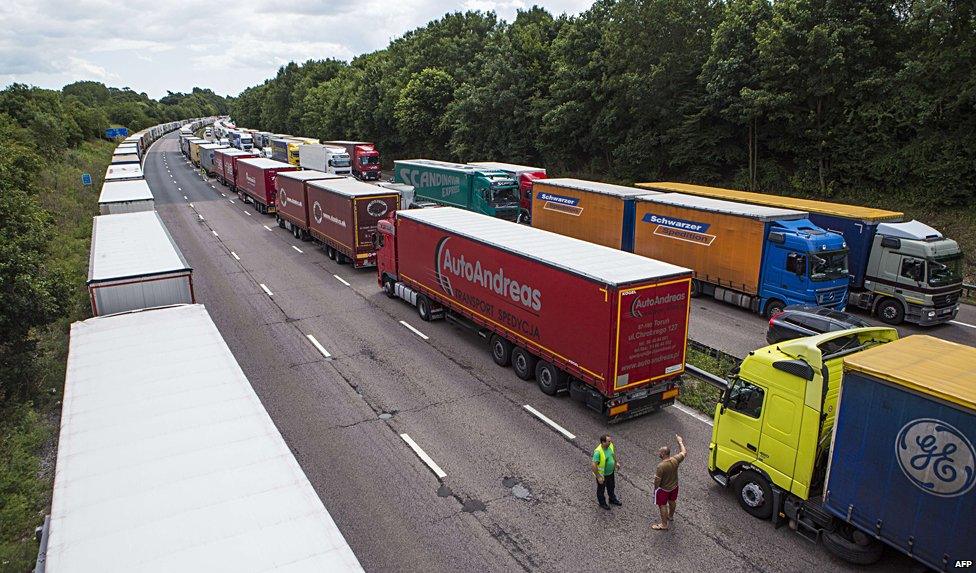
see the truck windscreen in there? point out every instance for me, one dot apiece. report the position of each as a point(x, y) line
point(828, 266)
point(945, 270)
point(369, 160)
point(504, 196)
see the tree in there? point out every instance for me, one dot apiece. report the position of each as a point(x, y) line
point(421, 109)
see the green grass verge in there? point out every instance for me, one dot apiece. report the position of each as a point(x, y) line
point(699, 394)
point(29, 430)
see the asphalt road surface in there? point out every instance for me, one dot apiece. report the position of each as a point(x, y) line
point(517, 494)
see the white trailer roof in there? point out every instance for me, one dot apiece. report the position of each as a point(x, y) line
point(132, 245)
point(125, 149)
point(510, 167)
point(263, 163)
point(438, 164)
point(123, 171)
point(309, 175)
point(582, 258)
point(122, 191)
point(759, 212)
point(345, 142)
point(349, 187)
point(168, 461)
point(595, 187)
point(213, 146)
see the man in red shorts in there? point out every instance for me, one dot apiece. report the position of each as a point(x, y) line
point(666, 483)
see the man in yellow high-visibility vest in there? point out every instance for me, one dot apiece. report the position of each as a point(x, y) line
point(605, 464)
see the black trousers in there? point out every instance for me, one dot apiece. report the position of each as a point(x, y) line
point(608, 485)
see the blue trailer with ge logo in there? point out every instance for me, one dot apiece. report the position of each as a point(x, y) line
point(902, 465)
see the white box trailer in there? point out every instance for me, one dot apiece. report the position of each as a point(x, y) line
point(131, 158)
point(125, 197)
point(326, 158)
point(126, 172)
point(168, 461)
point(135, 264)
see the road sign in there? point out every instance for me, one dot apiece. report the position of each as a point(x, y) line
point(86, 179)
point(113, 132)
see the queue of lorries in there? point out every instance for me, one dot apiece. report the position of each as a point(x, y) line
point(592, 297)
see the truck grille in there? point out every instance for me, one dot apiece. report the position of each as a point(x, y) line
point(948, 299)
point(507, 214)
point(830, 297)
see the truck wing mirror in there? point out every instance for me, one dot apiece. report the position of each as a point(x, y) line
point(891, 242)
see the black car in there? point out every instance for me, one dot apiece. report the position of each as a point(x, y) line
point(796, 321)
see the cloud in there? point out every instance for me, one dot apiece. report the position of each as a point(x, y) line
point(174, 45)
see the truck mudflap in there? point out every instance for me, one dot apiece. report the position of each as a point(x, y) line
point(625, 405)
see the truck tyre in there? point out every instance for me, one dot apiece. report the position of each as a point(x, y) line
point(853, 546)
point(281, 222)
point(330, 252)
point(890, 311)
point(695, 288)
point(549, 378)
point(773, 307)
point(501, 350)
point(423, 308)
point(523, 363)
point(755, 494)
point(389, 287)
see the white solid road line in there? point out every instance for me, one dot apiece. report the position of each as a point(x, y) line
point(318, 346)
point(343, 281)
point(415, 331)
point(233, 254)
point(962, 324)
point(266, 227)
point(696, 415)
point(424, 457)
point(566, 433)
point(297, 249)
point(266, 290)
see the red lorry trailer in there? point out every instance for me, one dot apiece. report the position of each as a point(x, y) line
point(364, 157)
point(225, 162)
point(291, 188)
point(526, 176)
point(342, 215)
point(608, 326)
point(255, 181)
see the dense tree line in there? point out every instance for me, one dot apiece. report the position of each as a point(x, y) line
point(804, 96)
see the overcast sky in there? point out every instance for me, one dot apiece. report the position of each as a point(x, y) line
point(157, 45)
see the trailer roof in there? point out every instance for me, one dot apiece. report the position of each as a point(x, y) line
point(122, 191)
point(441, 164)
point(125, 149)
point(867, 214)
point(233, 151)
point(602, 264)
point(265, 163)
point(759, 212)
point(349, 187)
point(344, 142)
point(309, 175)
point(167, 460)
point(505, 166)
point(932, 366)
point(214, 146)
point(132, 245)
point(594, 187)
point(123, 171)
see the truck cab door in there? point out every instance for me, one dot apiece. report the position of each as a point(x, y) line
point(738, 423)
point(780, 436)
point(385, 244)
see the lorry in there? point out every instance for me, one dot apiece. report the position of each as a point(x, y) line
point(194, 146)
point(326, 158)
point(286, 150)
point(525, 176)
point(125, 197)
point(291, 189)
point(135, 264)
point(207, 157)
point(343, 214)
point(857, 439)
point(899, 270)
point(241, 140)
point(364, 157)
point(530, 292)
point(254, 180)
point(486, 191)
point(597, 212)
point(225, 162)
point(757, 257)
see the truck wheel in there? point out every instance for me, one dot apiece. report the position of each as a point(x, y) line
point(523, 363)
point(501, 350)
point(423, 308)
point(281, 222)
point(853, 545)
point(773, 307)
point(695, 288)
point(755, 494)
point(330, 252)
point(389, 287)
point(890, 311)
point(549, 378)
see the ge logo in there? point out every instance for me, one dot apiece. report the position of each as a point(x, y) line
point(317, 212)
point(936, 457)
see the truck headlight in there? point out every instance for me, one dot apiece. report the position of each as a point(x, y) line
point(931, 313)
